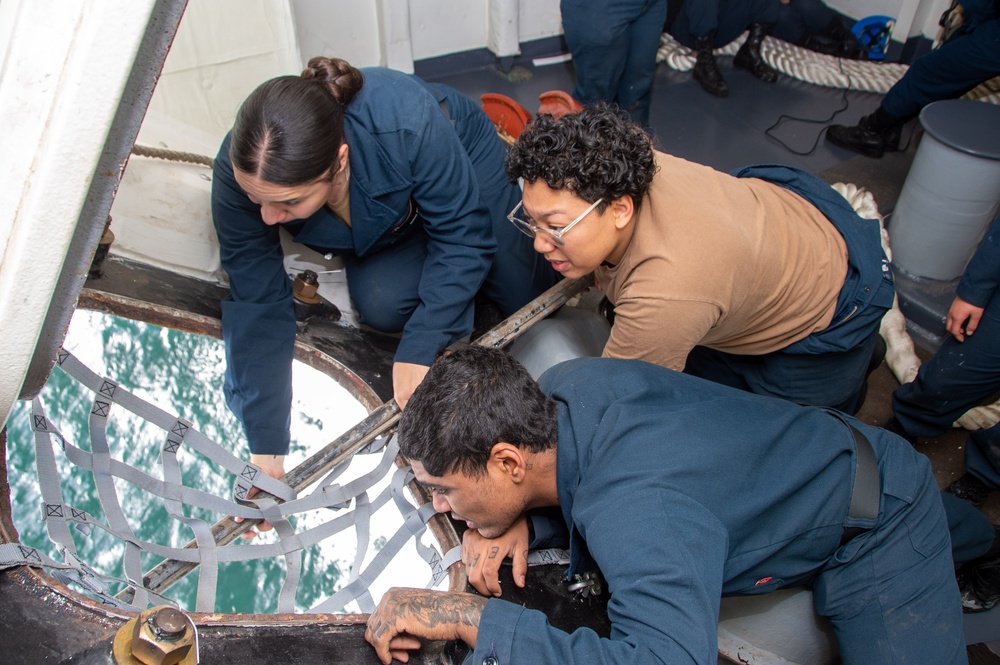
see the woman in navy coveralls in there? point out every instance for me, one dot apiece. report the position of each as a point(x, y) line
point(402, 179)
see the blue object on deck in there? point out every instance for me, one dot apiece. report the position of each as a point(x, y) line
point(873, 34)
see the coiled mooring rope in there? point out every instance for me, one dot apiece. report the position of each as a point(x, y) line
point(816, 68)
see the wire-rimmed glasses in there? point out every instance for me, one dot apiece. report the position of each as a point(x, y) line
point(530, 230)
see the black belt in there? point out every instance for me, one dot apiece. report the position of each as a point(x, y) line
point(867, 488)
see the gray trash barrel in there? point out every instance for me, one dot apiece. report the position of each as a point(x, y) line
point(952, 191)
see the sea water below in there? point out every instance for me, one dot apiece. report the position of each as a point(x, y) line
point(183, 374)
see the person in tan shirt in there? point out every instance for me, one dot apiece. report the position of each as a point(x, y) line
point(765, 280)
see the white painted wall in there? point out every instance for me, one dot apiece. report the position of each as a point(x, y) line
point(539, 19)
point(345, 29)
point(225, 48)
point(861, 8)
point(439, 27)
point(222, 51)
point(394, 33)
point(925, 21)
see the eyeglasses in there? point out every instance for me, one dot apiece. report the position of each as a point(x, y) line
point(531, 230)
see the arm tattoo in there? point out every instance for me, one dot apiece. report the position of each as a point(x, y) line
point(443, 608)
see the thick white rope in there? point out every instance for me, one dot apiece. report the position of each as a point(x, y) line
point(900, 355)
point(981, 417)
point(816, 68)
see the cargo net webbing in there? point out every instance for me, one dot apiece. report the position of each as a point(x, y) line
point(349, 505)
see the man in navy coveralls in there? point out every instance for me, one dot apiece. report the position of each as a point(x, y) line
point(679, 491)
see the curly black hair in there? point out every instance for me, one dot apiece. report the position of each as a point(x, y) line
point(597, 153)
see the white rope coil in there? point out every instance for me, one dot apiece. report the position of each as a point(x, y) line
point(816, 68)
point(900, 355)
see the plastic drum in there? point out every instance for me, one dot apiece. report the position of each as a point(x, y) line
point(952, 191)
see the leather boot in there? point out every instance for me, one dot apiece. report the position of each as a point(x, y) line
point(749, 58)
point(706, 70)
point(868, 137)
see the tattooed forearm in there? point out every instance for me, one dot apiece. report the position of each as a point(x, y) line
point(425, 615)
point(437, 609)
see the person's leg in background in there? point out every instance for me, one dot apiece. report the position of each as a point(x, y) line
point(959, 376)
point(704, 25)
point(813, 25)
point(695, 27)
point(947, 73)
point(982, 466)
point(757, 17)
point(383, 286)
point(962, 63)
point(636, 84)
point(597, 35)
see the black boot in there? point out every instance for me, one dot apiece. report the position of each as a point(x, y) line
point(848, 45)
point(872, 136)
point(749, 58)
point(971, 489)
point(706, 70)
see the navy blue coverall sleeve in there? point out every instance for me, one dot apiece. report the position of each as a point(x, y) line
point(403, 149)
point(664, 567)
point(258, 321)
point(460, 241)
point(982, 276)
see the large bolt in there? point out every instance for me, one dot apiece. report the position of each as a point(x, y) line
point(305, 287)
point(162, 636)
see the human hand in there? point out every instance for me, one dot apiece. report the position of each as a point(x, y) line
point(405, 379)
point(963, 319)
point(274, 466)
point(404, 617)
point(482, 557)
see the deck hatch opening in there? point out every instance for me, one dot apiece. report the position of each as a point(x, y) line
point(336, 547)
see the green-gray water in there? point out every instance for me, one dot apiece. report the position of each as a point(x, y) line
point(182, 374)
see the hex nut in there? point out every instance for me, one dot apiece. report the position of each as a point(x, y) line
point(162, 636)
